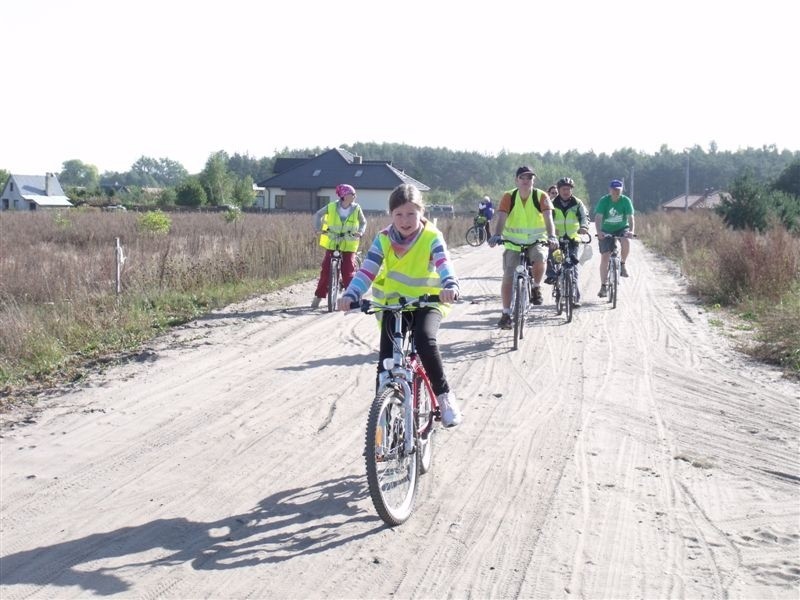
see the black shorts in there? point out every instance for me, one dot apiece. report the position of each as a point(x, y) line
point(607, 243)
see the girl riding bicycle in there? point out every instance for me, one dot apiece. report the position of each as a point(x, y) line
point(409, 259)
point(344, 217)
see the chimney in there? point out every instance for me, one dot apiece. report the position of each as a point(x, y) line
point(47, 177)
point(356, 160)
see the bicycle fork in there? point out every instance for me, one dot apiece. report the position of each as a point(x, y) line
point(396, 374)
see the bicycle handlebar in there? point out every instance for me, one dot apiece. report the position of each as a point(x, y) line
point(524, 246)
point(370, 306)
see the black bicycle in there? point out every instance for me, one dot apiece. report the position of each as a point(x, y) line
point(615, 267)
point(476, 234)
point(565, 288)
point(521, 290)
point(335, 278)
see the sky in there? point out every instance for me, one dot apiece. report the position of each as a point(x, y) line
point(107, 82)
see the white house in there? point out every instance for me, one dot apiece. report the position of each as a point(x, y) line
point(33, 192)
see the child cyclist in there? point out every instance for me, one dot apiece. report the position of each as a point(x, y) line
point(342, 217)
point(409, 259)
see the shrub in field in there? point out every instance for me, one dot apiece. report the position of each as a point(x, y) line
point(155, 221)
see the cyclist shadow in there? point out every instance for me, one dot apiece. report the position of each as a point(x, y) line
point(348, 360)
point(292, 523)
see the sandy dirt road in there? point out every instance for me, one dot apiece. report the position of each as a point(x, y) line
point(629, 454)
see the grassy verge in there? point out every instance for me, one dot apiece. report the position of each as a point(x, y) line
point(755, 276)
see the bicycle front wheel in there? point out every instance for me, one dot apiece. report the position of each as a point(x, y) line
point(613, 282)
point(558, 295)
point(518, 311)
point(333, 284)
point(474, 237)
point(392, 473)
point(568, 295)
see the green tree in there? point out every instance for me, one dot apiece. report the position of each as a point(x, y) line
point(78, 173)
point(151, 172)
point(789, 180)
point(216, 180)
point(4, 175)
point(747, 207)
point(190, 193)
point(243, 193)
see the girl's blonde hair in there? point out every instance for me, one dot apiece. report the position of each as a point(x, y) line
point(406, 192)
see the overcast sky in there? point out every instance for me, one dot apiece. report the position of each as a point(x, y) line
point(106, 82)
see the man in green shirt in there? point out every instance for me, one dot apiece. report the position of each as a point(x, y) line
point(613, 217)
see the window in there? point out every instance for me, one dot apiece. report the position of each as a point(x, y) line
point(316, 172)
point(12, 186)
point(279, 201)
point(359, 172)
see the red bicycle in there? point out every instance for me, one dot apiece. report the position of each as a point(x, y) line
point(402, 419)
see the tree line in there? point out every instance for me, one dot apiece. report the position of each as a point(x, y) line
point(461, 178)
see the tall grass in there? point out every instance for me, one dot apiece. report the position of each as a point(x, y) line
point(757, 274)
point(58, 305)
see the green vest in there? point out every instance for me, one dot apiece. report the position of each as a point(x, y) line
point(411, 275)
point(525, 222)
point(566, 221)
point(333, 224)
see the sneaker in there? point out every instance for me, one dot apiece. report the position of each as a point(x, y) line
point(315, 302)
point(576, 304)
point(451, 413)
point(536, 298)
point(550, 279)
point(623, 272)
point(603, 291)
point(505, 321)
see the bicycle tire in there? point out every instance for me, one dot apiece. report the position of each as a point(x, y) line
point(568, 294)
point(474, 237)
point(557, 295)
point(423, 408)
point(333, 284)
point(612, 283)
point(518, 310)
point(392, 474)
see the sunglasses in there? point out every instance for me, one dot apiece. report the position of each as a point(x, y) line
point(527, 176)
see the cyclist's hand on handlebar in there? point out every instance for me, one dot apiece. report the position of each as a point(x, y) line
point(494, 240)
point(630, 234)
point(448, 296)
point(552, 242)
point(583, 230)
point(344, 303)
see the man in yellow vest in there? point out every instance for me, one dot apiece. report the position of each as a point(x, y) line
point(340, 225)
point(525, 216)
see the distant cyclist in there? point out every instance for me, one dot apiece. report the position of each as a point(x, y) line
point(613, 215)
point(571, 219)
point(552, 191)
point(486, 210)
point(342, 217)
point(525, 215)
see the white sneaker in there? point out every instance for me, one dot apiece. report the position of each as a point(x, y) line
point(451, 413)
point(315, 302)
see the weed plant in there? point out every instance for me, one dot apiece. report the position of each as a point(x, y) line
point(756, 274)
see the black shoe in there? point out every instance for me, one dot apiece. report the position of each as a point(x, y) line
point(505, 321)
point(576, 304)
point(550, 280)
point(603, 291)
point(536, 297)
point(623, 272)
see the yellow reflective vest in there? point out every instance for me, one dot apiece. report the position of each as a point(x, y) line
point(334, 225)
point(411, 275)
point(525, 222)
point(566, 221)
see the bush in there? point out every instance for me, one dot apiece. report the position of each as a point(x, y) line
point(155, 222)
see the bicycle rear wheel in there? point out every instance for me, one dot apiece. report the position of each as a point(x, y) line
point(518, 311)
point(392, 473)
point(333, 284)
point(424, 408)
point(476, 236)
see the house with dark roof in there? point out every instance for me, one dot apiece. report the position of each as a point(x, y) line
point(307, 184)
point(33, 192)
point(707, 200)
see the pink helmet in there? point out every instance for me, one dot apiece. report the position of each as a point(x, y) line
point(343, 189)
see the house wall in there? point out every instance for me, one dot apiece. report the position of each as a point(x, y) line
point(14, 199)
point(307, 200)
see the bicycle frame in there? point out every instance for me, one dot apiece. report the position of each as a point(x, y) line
point(404, 369)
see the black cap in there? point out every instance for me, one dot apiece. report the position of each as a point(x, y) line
point(525, 169)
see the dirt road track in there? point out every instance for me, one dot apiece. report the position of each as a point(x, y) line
point(629, 454)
